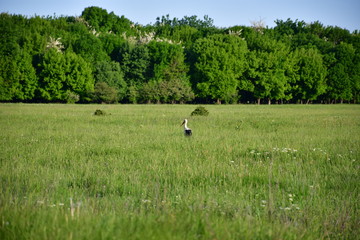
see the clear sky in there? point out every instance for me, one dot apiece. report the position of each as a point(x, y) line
point(225, 13)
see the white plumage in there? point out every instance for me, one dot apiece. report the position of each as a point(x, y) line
point(187, 131)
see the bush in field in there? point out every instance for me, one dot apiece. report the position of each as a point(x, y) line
point(200, 111)
point(99, 112)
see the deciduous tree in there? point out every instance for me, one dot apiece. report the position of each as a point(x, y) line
point(218, 67)
point(111, 74)
point(312, 72)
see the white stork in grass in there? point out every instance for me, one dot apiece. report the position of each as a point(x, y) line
point(187, 131)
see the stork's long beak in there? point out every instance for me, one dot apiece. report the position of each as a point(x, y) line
point(182, 123)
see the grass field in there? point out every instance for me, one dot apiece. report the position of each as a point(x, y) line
point(248, 172)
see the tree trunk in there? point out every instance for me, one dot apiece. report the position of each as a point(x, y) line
point(258, 101)
point(218, 101)
point(269, 101)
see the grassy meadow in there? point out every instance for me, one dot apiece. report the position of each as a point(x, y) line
point(248, 172)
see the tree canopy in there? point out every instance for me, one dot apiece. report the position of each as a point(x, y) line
point(102, 57)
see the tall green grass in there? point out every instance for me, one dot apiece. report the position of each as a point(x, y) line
point(248, 172)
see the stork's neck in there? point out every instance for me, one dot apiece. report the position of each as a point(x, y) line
point(185, 125)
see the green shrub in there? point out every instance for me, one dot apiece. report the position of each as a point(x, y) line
point(200, 111)
point(99, 112)
point(103, 93)
point(71, 97)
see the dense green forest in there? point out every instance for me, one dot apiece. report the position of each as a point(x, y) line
point(101, 57)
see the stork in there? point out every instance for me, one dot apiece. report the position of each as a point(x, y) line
point(187, 131)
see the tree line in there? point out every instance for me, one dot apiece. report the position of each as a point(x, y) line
point(101, 57)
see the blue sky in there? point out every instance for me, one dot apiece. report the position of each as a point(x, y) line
point(226, 13)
